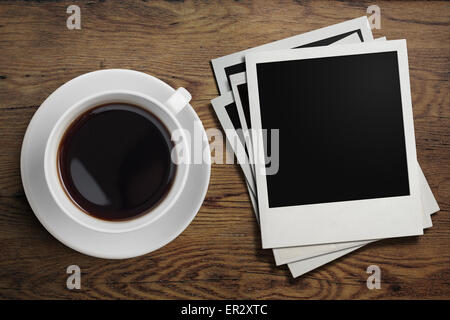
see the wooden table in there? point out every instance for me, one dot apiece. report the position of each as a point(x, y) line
point(219, 255)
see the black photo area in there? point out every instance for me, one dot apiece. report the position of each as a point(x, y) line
point(232, 112)
point(341, 128)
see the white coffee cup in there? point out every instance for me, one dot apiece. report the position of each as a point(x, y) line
point(166, 112)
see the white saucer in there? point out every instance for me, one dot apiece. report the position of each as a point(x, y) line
point(85, 240)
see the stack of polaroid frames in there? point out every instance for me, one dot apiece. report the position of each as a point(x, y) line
point(321, 124)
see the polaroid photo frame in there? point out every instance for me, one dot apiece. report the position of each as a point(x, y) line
point(325, 221)
point(234, 63)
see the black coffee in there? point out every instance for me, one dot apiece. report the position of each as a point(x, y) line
point(115, 161)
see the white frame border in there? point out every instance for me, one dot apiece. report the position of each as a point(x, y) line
point(335, 222)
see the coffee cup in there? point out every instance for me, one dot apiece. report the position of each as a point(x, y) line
point(166, 112)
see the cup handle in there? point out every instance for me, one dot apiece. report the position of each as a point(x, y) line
point(178, 100)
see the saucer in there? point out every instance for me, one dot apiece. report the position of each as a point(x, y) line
point(83, 239)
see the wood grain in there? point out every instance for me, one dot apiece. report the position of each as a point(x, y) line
point(219, 255)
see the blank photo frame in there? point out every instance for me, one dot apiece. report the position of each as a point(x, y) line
point(225, 66)
point(343, 209)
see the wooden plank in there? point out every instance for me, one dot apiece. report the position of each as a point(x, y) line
point(219, 255)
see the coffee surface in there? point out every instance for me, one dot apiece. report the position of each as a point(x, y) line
point(115, 161)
